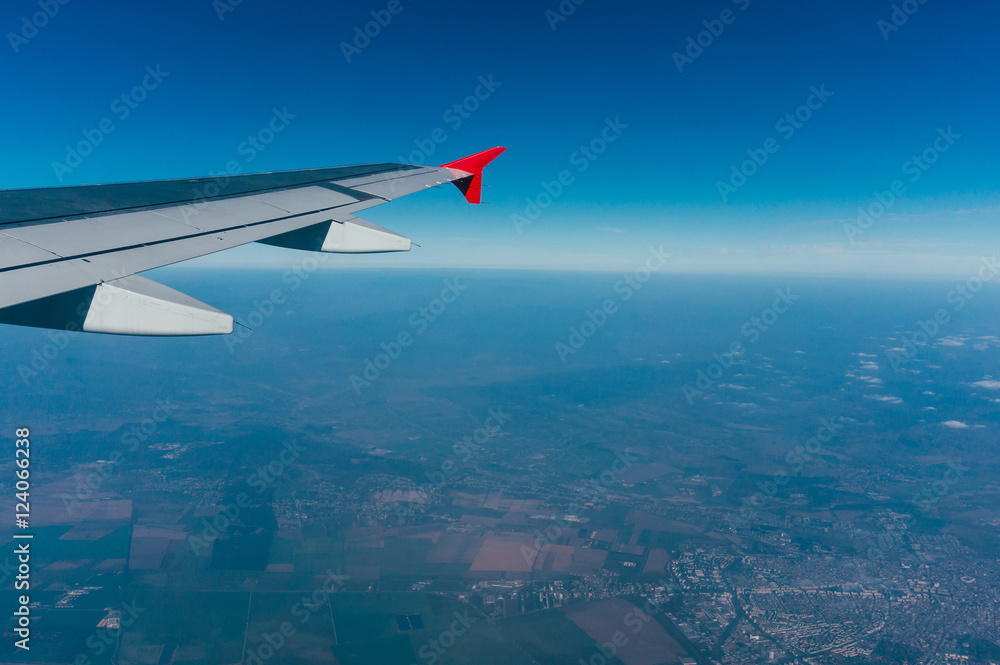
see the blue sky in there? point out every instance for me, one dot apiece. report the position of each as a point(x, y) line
point(887, 95)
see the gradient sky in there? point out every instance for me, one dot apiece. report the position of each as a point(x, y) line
point(657, 184)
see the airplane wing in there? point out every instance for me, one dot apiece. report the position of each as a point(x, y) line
point(69, 256)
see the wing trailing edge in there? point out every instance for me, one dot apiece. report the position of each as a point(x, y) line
point(350, 235)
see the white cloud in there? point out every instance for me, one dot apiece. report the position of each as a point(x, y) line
point(891, 399)
point(955, 424)
point(989, 385)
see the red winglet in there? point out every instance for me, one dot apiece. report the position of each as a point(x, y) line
point(472, 186)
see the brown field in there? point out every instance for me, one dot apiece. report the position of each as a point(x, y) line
point(87, 531)
point(366, 537)
point(647, 642)
point(644, 520)
point(147, 552)
point(502, 553)
point(493, 500)
point(588, 562)
point(140, 531)
point(474, 520)
point(555, 559)
point(463, 500)
point(456, 548)
point(430, 532)
point(655, 563)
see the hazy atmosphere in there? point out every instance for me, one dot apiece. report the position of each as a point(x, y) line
point(709, 377)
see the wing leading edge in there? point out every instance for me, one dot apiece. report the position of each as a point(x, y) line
point(69, 256)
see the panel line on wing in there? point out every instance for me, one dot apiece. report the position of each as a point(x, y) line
point(12, 200)
point(174, 219)
point(28, 242)
point(154, 243)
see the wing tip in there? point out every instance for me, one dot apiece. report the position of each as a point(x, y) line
point(472, 185)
